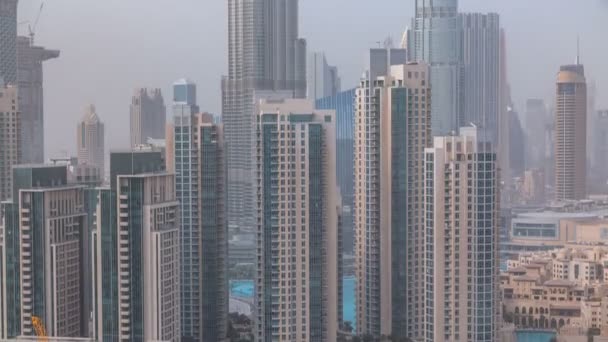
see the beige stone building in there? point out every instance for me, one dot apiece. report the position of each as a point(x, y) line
point(559, 290)
point(571, 133)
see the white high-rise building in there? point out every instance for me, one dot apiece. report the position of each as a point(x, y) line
point(265, 55)
point(10, 138)
point(461, 191)
point(91, 140)
point(392, 129)
point(298, 204)
point(322, 79)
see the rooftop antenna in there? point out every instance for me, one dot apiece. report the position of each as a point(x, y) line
point(578, 50)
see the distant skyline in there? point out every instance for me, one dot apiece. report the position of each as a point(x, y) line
point(110, 47)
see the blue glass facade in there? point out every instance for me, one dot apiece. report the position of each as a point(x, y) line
point(344, 105)
point(184, 92)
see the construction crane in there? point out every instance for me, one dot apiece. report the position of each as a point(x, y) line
point(39, 328)
point(31, 28)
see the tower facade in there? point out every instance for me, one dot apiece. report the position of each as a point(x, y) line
point(298, 228)
point(148, 278)
point(481, 71)
point(8, 41)
point(436, 39)
point(91, 140)
point(265, 55)
point(322, 80)
point(53, 238)
point(571, 133)
point(392, 128)
point(198, 152)
point(461, 219)
point(10, 138)
point(30, 78)
point(148, 116)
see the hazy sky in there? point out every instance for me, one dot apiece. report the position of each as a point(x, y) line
point(109, 47)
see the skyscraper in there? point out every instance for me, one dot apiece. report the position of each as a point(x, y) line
point(298, 207)
point(53, 238)
point(343, 104)
point(148, 226)
point(570, 133)
point(147, 270)
point(265, 55)
point(461, 205)
point(25, 178)
point(322, 79)
point(392, 129)
point(148, 116)
point(481, 70)
point(436, 40)
point(198, 156)
point(8, 41)
point(31, 97)
point(91, 140)
point(10, 139)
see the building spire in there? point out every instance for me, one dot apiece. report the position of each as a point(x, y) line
point(578, 50)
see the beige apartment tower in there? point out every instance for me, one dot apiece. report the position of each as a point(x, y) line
point(298, 207)
point(10, 138)
point(571, 133)
point(91, 140)
point(461, 205)
point(392, 129)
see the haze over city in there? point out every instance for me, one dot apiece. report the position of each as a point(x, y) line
point(304, 170)
point(111, 47)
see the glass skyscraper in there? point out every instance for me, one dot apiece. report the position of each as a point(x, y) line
point(8, 41)
point(435, 38)
point(265, 57)
point(196, 153)
point(344, 106)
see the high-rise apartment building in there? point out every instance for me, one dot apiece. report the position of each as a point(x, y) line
point(265, 55)
point(10, 138)
point(322, 80)
point(461, 219)
point(298, 207)
point(112, 254)
point(435, 38)
point(481, 71)
point(25, 178)
point(343, 104)
point(571, 133)
point(198, 156)
point(53, 237)
point(518, 144)
point(392, 129)
point(105, 241)
point(91, 140)
point(8, 41)
point(31, 97)
point(148, 116)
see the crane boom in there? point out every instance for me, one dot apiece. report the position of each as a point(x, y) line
point(39, 328)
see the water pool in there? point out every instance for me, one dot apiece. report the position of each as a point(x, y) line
point(534, 336)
